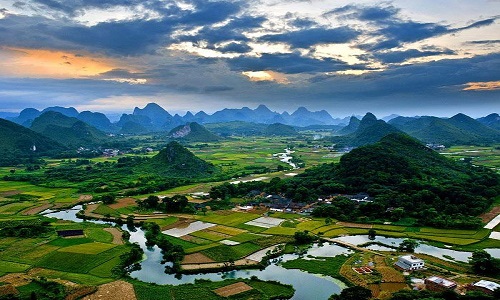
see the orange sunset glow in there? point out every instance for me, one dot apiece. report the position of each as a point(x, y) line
point(52, 64)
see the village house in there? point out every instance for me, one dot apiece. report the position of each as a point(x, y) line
point(410, 263)
point(438, 284)
point(485, 286)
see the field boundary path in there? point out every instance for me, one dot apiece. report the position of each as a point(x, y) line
point(352, 246)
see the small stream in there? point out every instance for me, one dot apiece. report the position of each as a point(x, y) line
point(286, 157)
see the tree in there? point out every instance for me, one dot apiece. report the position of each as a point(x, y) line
point(371, 234)
point(303, 237)
point(353, 293)
point(108, 198)
point(408, 245)
point(483, 263)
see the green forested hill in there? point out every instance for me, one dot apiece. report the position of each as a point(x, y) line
point(176, 161)
point(193, 132)
point(457, 130)
point(66, 130)
point(407, 179)
point(369, 131)
point(278, 129)
point(17, 143)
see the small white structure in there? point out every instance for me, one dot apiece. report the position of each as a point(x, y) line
point(410, 263)
point(486, 286)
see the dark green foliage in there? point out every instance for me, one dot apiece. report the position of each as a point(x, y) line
point(128, 261)
point(303, 237)
point(353, 293)
point(278, 129)
point(329, 266)
point(193, 132)
point(21, 228)
point(67, 130)
point(369, 131)
point(171, 253)
point(351, 127)
point(408, 245)
point(17, 144)
point(484, 264)
point(175, 160)
point(42, 289)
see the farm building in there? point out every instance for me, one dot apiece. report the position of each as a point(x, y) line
point(484, 286)
point(69, 233)
point(410, 263)
point(438, 284)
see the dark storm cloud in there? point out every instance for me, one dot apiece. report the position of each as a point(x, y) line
point(401, 56)
point(232, 31)
point(395, 30)
point(291, 63)
point(235, 48)
point(123, 38)
point(218, 88)
point(313, 36)
point(366, 13)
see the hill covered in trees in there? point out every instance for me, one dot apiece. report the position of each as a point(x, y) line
point(17, 143)
point(176, 161)
point(68, 131)
point(193, 132)
point(406, 179)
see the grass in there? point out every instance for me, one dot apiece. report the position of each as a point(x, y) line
point(226, 253)
point(12, 267)
point(89, 248)
point(208, 236)
point(281, 231)
point(201, 248)
point(335, 232)
point(245, 237)
point(165, 221)
point(177, 241)
point(309, 225)
point(79, 262)
point(229, 218)
point(325, 266)
point(105, 210)
point(66, 242)
point(203, 289)
point(227, 230)
point(99, 235)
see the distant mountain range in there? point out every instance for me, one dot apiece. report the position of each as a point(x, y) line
point(153, 118)
point(70, 127)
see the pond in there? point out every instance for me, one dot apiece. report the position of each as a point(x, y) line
point(422, 248)
point(318, 286)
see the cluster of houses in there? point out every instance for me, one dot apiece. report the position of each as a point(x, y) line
point(438, 284)
point(436, 147)
point(279, 203)
point(360, 198)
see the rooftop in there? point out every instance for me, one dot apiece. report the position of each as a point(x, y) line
point(411, 259)
point(490, 285)
point(441, 281)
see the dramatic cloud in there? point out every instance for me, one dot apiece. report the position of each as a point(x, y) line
point(398, 55)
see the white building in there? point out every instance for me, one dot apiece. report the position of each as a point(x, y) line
point(486, 286)
point(410, 263)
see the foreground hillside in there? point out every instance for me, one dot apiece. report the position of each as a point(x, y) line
point(18, 143)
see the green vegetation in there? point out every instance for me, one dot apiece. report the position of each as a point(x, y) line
point(325, 265)
point(263, 290)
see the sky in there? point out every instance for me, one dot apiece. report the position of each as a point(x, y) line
point(426, 57)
